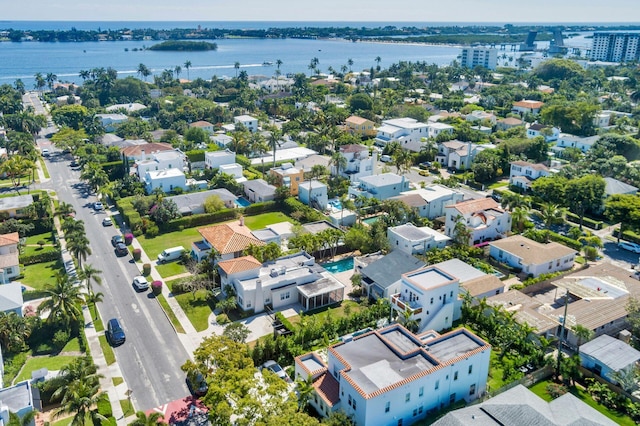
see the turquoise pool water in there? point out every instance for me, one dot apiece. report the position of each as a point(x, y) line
point(337, 204)
point(339, 266)
point(241, 202)
point(371, 220)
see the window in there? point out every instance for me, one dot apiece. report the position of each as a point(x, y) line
point(432, 300)
point(349, 400)
point(407, 397)
point(437, 384)
point(415, 412)
point(387, 407)
point(421, 391)
point(452, 398)
point(286, 295)
point(455, 376)
point(470, 369)
point(420, 409)
point(472, 389)
point(354, 403)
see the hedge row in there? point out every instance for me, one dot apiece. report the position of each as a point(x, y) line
point(305, 213)
point(285, 322)
point(257, 208)
point(576, 245)
point(114, 169)
point(200, 220)
point(195, 155)
point(628, 235)
point(130, 215)
point(45, 256)
point(589, 223)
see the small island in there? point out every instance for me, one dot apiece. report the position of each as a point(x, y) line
point(184, 46)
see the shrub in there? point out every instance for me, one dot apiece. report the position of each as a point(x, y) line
point(284, 321)
point(41, 243)
point(45, 256)
point(156, 287)
point(222, 319)
point(589, 223)
point(128, 238)
point(152, 231)
point(137, 253)
point(195, 155)
point(60, 338)
point(146, 269)
point(257, 208)
point(200, 219)
point(628, 235)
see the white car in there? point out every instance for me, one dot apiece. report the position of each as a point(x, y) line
point(626, 245)
point(140, 283)
point(98, 206)
point(107, 221)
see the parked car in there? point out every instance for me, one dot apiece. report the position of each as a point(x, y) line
point(140, 283)
point(121, 250)
point(45, 152)
point(107, 221)
point(425, 166)
point(170, 254)
point(198, 386)
point(626, 245)
point(274, 367)
point(115, 333)
point(117, 239)
point(97, 206)
point(385, 158)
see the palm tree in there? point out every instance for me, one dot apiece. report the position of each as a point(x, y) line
point(236, 65)
point(338, 161)
point(429, 149)
point(177, 70)
point(402, 160)
point(583, 334)
point(40, 82)
point(187, 65)
point(26, 420)
point(275, 134)
point(78, 246)
point(304, 389)
point(350, 63)
point(63, 301)
point(378, 60)
point(90, 274)
point(80, 369)
point(14, 332)
point(550, 213)
point(519, 216)
point(143, 71)
point(153, 419)
point(258, 147)
point(51, 78)
point(82, 399)
point(71, 226)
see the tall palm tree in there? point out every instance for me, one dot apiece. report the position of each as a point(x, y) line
point(78, 246)
point(583, 334)
point(187, 65)
point(63, 301)
point(71, 226)
point(81, 400)
point(338, 161)
point(26, 420)
point(378, 60)
point(152, 419)
point(51, 78)
point(40, 82)
point(403, 161)
point(14, 331)
point(519, 216)
point(304, 389)
point(429, 149)
point(90, 274)
point(178, 71)
point(275, 134)
point(236, 65)
point(80, 369)
point(143, 71)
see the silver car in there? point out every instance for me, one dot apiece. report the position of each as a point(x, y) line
point(140, 283)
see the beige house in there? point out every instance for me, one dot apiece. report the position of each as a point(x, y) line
point(534, 258)
point(288, 175)
point(9, 263)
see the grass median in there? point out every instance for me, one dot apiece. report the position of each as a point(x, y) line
point(172, 317)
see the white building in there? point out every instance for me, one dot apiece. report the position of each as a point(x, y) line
point(549, 133)
point(431, 200)
point(204, 125)
point(479, 56)
point(437, 128)
point(359, 162)
point(380, 186)
point(251, 123)
point(532, 257)
point(615, 46)
point(522, 173)
point(160, 161)
point(408, 132)
point(393, 377)
point(233, 169)
point(314, 194)
point(9, 257)
point(459, 155)
point(527, 107)
point(215, 159)
point(222, 140)
point(111, 121)
point(413, 240)
point(478, 115)
point(167, 180)
point(259, 191)
point(130, 107)
point(484, 219)
point(295, 278)
point(566, 140)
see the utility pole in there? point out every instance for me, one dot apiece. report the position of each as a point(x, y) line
point(562, 330)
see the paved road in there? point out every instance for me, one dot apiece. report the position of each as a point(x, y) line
point(150, 359)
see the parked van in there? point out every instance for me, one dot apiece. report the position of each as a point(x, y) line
point(170, 254)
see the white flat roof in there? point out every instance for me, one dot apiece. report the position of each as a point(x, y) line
point(285, 154)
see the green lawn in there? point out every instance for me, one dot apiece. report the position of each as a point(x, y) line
point(47, 237)
point(97, 321)
point(107, 350)
point(127, 407)
point(170, 269)
point(499, 184)
point(172, 317)
point(64, 422)
point(32, 250)
point(52, 363)
point(196, 308)
point(44, 168)
point(540, 390)
point(117, 380)
point(72, 345)
point(262, 220)
point(335, 312)
point(37, 276)
point(154, 246)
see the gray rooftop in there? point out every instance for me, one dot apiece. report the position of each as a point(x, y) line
point(10, 296)
point(382, 179)
point(322, 286)
point(260, 186)
point(194, 200)
point(459, 269)
point(17, 202)
point(452, 346)
point(17, 397)
point(614, 186)
point(429, 278)
point(410, 232)
point(316, 227)
point(387, 270)
point(611, 352)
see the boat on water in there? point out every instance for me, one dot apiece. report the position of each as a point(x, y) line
point(267, 64)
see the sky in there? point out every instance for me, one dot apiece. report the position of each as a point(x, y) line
point(499, 11)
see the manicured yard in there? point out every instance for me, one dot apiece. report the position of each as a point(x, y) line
point(495, 380)
point(499, 184)
point(72, 345)
point(52, 363)
point(32, 250)
point(37, 276)
point(154, 246)
point(33, 240)
point(197, 308)
point(64, 422)
point(170, 269)
point(540, 390)
point(262, 220)
point(335, 312)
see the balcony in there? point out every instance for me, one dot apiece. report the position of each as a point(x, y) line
point(413, 307)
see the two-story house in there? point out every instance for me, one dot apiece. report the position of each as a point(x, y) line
point(478, 115)
point(527, 107)
point(566, 140)
point(295, 278)
point(167, 180)
point(144, 151)
point(259, 190)
point(110, 122)
point(408, 132)
point(359, 162)
point(204, 125)
point(215, 159)
point(314, 193)
point(431, 200)
point(458, 155)
point(9, 262)
point(392, 377)
point(413, 240)
point(360, 126)
point(508, 123)
point(437, 128)
point(381, 277)
point(288, 175)
point(483, 218)
point(249, 122)
point(532, 257)
point(549, 133)
point(381, 187)
point(160, 161)
point(523, 173)
point(223, 242)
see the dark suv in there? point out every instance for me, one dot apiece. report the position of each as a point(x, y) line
point(115, 333)
point(121, 250)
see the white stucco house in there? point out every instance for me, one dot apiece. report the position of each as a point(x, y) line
point(259, 191)
point(392, 377)
point(359, 162)
point(431, 200)
point(381, 187)
point(415, 240)
point(408, 132)
point(215, 159)
point(233, 169)
point(204, 125)
point(251, 123)
point(314, 194)
point(522, 173)
point(527, 107)
point(437, 128)
point(549, 133)
point(160, 161)
point(532, 257)
point(111, 121)
point(483, 217)
point(459, 155)
point(566, 140)
point(167, 180)
point(221, 139)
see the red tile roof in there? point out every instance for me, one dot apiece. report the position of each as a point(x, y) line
point(240, 264)
point(476, 206)
point(328, 388)
point(9, 239)
point(229, 237)
point(148, 148)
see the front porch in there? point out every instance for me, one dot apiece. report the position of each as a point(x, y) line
point(323, 292)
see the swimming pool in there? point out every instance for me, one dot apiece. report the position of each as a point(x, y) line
point(336, 204)
point(339, 266)
point(241, 202)
point(371, 220)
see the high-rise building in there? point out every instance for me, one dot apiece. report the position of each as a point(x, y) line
point(615, 46)
point(474, 56)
